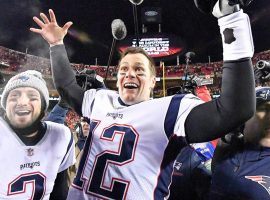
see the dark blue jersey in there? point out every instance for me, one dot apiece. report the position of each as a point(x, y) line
point(243, 173)
point(191, 179)
point(57, 115)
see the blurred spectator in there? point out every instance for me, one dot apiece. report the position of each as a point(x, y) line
point(241, 160)
point(82, 130)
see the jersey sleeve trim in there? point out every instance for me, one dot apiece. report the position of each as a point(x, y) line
point(172, 113)
point(88, 98)
point(68, 147)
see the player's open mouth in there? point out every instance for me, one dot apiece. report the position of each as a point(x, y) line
point(267, 129)
point(22, 112)
point(131, 86)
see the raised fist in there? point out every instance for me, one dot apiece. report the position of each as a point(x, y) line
point(206, 6)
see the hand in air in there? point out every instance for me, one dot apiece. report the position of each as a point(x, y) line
point(49, 29)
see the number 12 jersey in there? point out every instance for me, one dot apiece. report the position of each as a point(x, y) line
point(130, 150)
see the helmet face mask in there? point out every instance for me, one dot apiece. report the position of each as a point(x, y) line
point(262, 95)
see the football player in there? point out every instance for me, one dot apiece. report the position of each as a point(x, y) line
point(35, 155)
point(241, 161)
point(133, 139)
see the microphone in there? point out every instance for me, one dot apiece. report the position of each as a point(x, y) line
point(190, 54)
point(135, 18)
point(136, 2)
point(119, 32)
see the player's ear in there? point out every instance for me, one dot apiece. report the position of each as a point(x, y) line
point(117, 76)
point(117, 83)
point(117, 80)
point(153, 82)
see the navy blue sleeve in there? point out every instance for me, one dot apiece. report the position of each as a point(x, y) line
point(191, 179)
point(235, 105)
point(57, 115)
point(60, 188)
point(64, 78)
point(201, 177)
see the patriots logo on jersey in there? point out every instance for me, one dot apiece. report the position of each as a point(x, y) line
point(262, 180)
point(29, 165)
point(177, 165)
point(23, 78)
point(115, 115)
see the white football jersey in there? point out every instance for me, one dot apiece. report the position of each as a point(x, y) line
point(29, 172)
point(128, 154)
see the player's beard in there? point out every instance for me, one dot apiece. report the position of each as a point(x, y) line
point(31, 127)
point(27, 130)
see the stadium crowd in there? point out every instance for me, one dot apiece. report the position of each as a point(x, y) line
point(14, 62)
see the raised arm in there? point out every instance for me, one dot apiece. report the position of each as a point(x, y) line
point(237, 100)
point(63, 74)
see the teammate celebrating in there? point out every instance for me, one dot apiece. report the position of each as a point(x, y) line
point(133, 140)
point(35, 154)
point(241, 167)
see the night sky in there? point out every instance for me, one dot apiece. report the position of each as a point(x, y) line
point(92, 25)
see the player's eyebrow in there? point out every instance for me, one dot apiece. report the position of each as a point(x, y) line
point(14, 92)
point(123, 63)
point(136, 63)
point(33, 93)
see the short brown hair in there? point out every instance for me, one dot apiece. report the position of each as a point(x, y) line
point(134, 50)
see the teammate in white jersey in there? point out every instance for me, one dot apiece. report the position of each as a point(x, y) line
point(133, 140)
point(34, 155)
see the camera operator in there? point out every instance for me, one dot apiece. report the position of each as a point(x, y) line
point(88, 78)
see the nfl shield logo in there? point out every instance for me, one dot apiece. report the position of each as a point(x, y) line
point(30, 152)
